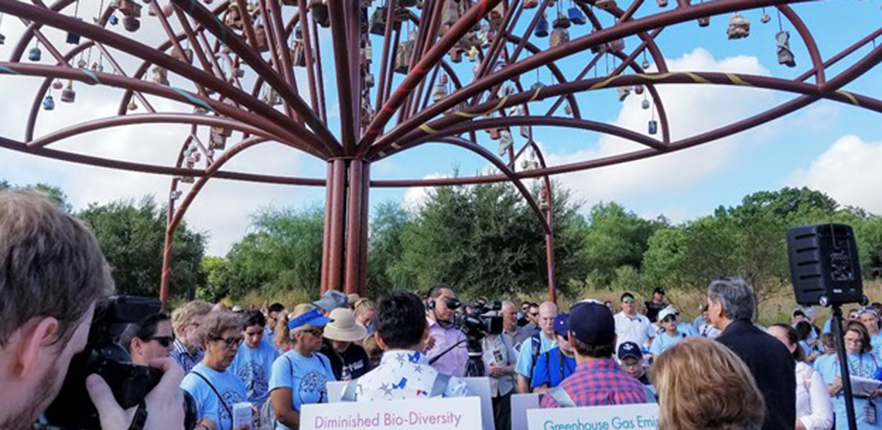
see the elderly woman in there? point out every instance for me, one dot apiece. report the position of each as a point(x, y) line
point(814, 410)
point(870, 319)
point(151, 338)
point(728, 397)
point(300, 376)
point(348, 360)
point(862, 363)
point(215, 389)
point(364, 314)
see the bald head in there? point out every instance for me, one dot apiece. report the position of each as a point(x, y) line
point(547, 312)
point(509, 314)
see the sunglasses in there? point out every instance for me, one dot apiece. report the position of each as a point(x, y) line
point(628, 301)
point(534, 314)
point(230, 341)
point(165, 341)
point(317, 332)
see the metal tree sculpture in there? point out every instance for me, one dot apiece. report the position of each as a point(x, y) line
point(234, 67)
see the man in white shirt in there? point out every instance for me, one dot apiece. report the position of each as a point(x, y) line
point(404, 372)
point(632, 326)
point(538, 344)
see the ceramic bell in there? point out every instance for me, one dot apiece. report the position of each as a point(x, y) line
point(113, 20)
point(35, 54)
point(785, 55)
point(505, 142)
point(495, 16)
point(48, 103)
point(187, 179)
point(645, 104)
point(160, 75)
point(97, 67)
point(531, 4)
point(562, 21)
point(190, 162)
point(576, 16)
point(653, 126)
point(175, 194)
point(81, 63)
point(68, 95)
point(645, 64)
point(378, 22)
point(57, 85)
point(320, 12)
point(605, 4)
point(704, 21)
point(439, 92)
point(567, 109)
point(271, 97)
point(559, 36)
point(73, 38)
point(168, 10)
point(662, 3)
point(638, 89)
point(542, 27)
point(131, 24)
point(765, 18)
point(536, 86)
point(739, 27)
point(132, 106)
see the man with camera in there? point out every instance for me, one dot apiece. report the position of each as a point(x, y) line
point(53, 275)
point(447, 341)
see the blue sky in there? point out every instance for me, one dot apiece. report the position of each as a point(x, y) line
point(828, 146)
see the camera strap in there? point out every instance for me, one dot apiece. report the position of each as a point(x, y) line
point(219, 397)
point(140, 417)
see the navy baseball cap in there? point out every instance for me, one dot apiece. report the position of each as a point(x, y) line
point(629, 349)
point(561, 324)
point(592, 323)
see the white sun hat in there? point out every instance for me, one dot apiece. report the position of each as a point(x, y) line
point(343, 327)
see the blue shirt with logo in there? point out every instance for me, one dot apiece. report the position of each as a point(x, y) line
point(254, 366)
point(217, 406)
point(307, 377)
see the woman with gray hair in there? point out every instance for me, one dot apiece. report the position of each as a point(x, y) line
point(215, 390)
point(300, 376)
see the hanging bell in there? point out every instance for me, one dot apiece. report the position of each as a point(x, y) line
point(199, 110)
point(82, 64)
point(233, 19)
point(559, 36)
point(168, 10)
point(113, 20)
point(131, 24)
point(68, 95)
point(542, 27)
point(576, 16)
point(617, 45)
point(97, 67)
point(132, 106)
point(175, 194)
point(456, 53)
point(151, 12)
point(662, 3)
point(605, 4)
point(129, 8)
point(505, 142)
point(439, 92)
point(402, 59)
point(369, 80)
point(57, 85)
point(378, 21)
point(298, 54)
point(35, 54)
point(494, 133)
point(704, 21)
point(624, 92)
point(645, 65)
point(543, 198)
point(537, 86)
point(160, 76)
point(785, 55)
point(320, 12)
point(653, 126)
point(531, 4)
point(217, 140)
point(271, 97)
point(645, 104)
point(190, 162)
point(473, 54)
point(2, 39)
point(260, 36)
point(567, 109)
point(187, 179)
point(495, 16)
point(638, 89)
point(73, 38)
point(505, 90)
point(739, 27)
point(562, 21)
point(530, 163)
point(765, 18)
point(48, 103)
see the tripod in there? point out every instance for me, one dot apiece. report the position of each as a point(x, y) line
point(475, 364)
point(843, 366)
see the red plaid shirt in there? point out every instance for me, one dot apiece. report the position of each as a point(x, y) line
point(598, 383)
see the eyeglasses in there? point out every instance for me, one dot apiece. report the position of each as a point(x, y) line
point(317, 332)
point(854, 341)
point(669, 319)
point(534, 314)
point(165, 341)
point(230, 341)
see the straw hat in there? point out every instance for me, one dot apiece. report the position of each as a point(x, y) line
point(343, 327)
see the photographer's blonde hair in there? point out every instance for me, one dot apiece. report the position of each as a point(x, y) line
point(703, 385)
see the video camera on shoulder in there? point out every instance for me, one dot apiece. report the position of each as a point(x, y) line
point(472, 318)
point(103, 355)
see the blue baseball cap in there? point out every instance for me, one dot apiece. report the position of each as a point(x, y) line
point(313, 318)
point(592, 323)
point(562, 324)
point(629, 349)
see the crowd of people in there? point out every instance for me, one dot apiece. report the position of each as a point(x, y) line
point(722, 371)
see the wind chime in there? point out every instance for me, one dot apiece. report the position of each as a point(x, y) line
point(68, 95)
point(73, 38)
point(653, 124)
point(561, 33)
point(260, 34)
point(298, 49)
point(35, 54)
point(782, 39)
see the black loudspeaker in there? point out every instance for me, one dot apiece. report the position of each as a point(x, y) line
point(824, 265)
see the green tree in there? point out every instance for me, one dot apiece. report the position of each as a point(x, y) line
point(385, 247)
point(132, 239)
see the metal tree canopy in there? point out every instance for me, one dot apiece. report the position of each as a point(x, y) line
point(404, 73)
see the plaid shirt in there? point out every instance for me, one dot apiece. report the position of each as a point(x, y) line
point(182, 355)
point(598, 383)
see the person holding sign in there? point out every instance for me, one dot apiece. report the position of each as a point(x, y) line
point(557, 363)
point(598, 380)
point(214, 389)
point(300, 375)
point(404, 372)
point(704, 385)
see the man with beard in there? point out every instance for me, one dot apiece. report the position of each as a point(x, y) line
point(52, 276)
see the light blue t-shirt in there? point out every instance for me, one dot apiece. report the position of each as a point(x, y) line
point(687, 328)
point(663, 341)
point(864, 365)
point(524, 367)
point(254, 366)
point(208, 404)
point(306, 377)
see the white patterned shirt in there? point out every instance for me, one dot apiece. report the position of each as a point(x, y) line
point(404, 374)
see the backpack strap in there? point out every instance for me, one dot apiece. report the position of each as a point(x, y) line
point(439, 387)
point(535, 347)
point(561, 397)
point(219, 397)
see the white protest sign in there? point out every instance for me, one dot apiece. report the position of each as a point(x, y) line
point(480, 387)
point(430, 414)
point(520, 404)
point(615, 417)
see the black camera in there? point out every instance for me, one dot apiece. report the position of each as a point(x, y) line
point(103, 355)
point(471, 317)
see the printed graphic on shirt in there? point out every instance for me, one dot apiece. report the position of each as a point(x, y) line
point(253, 376)
point(230, 399)
point(313, 387)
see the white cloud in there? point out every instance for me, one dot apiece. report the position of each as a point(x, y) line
point(691, 110)
point(847, 172)
point(415, 197)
